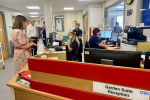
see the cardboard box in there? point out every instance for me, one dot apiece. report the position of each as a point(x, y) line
point(143, 46)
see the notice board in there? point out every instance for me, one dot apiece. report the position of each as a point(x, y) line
point(96, 15)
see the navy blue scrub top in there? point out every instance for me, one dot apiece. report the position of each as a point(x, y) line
point(44, 37)
point(79, 33)
point(44, 34)
point(94, 41)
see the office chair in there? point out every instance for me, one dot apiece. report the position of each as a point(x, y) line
point(87, 44)
point(73, 58)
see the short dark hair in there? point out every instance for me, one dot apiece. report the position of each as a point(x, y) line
point(18, 23)
point(96, 30)
point(117, 23)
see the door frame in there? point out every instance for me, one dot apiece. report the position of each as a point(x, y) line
point(6, 36)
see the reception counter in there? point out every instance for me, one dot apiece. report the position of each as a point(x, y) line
point(80, 81)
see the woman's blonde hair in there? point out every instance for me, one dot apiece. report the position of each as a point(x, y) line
point(75, 38)
point(18, 23)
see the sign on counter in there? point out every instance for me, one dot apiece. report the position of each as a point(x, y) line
point(120, 91)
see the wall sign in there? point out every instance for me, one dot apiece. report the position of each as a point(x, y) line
point(129, 2)
point(120, 91)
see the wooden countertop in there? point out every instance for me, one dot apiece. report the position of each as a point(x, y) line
point(45, 50)
point(112, 49)
point(12, 83)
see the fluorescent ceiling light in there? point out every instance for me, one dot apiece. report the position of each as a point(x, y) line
point(68, 8)
point(120, 7)
point(33, 7)
point(33, 13)
point(33, 16)
point(85, 0)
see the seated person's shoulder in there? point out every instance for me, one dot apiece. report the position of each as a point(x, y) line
point(74, 41)
point(94, 36)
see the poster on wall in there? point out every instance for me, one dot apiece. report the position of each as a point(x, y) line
point(73, 23)
point(129, 12)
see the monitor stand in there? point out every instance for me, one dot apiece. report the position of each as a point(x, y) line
point(106, 61)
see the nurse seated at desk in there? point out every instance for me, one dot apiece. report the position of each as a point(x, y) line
point(95, 42)
point(72, 46)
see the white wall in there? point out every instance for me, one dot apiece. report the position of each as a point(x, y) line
point(132, 19)
point(87, 9)
point(68, 18)
point(80, 18)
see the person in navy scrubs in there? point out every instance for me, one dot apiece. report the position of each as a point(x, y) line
point(95, 42)
point(79, 36)
point(43, 31)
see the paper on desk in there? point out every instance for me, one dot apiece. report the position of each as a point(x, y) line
point(55, 43)
point(51, 49)
point(113, 48)
point(59, 52)
point(64, 48)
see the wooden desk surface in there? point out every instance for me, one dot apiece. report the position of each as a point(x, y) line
point(45, 50)
point(12, 83)
point(112, 49)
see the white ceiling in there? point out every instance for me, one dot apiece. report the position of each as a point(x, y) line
point(57, 5)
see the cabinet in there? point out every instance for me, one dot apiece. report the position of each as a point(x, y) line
point(127, 47)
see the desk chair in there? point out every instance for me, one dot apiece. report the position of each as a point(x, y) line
point(73, 58)
point(87, 44)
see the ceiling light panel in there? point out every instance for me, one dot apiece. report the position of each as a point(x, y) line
point(33, 7)
point(69, 8)
point(33, 13)
point(33, 16)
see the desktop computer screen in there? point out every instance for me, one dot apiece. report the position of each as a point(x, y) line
point(114, 37)
point(126, 29)
point(106, 34)
point(119, 58)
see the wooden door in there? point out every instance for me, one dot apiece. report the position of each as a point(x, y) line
point(85, 29)
point(3, 39)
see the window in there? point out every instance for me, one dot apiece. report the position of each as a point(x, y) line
point(59, 23)
point(115, 18)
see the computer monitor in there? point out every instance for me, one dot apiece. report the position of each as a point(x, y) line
point(120, 58)
point(147, 61)
point(106, 34)
point(114, 37)
point(126, 29)
point(52, 37)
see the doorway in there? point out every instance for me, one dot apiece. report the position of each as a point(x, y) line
point(3, 39)
point(85, 27)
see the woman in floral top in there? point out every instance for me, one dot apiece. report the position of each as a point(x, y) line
point(21, 43)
